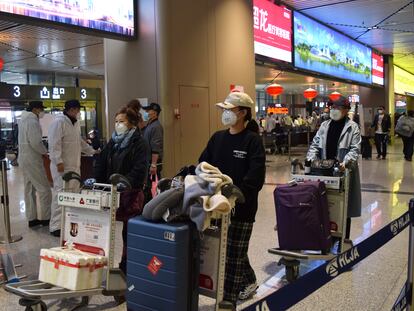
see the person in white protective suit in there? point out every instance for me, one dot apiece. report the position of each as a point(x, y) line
point(65, 148)
point(31, 153)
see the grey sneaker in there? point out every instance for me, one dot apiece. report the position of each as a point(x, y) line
point(248, 291)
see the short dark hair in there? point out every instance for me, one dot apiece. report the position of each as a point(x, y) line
point(35, 104)
point(131, 115)
point(72, 103)
point(381, 107)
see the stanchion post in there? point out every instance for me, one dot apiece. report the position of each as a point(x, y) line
point(6, 212)
point(411, 257)
point(289, 141)
point(308, 135)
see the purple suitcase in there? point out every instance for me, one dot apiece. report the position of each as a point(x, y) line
point(302, 216)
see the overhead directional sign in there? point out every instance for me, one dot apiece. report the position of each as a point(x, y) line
point(23, 92)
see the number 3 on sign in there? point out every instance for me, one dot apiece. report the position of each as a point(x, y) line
point(83, 94)
point(262, 307)
point(16, 92)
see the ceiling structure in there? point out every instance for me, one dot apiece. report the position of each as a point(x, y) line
point(385, 25)
point(27, 48)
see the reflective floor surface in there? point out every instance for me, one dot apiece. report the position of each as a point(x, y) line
point(373, 284)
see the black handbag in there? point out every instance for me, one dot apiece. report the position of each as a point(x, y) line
point(323, 167)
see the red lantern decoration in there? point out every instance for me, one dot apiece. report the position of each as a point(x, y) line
point(310, 94)
point(1, 63)
point(335, 96)
point(274, 89)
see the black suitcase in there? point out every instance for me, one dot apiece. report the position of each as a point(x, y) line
point(366, 148)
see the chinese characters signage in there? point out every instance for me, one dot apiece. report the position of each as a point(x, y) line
point(272, 30)
point(377, 69)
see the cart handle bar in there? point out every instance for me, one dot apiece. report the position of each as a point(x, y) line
point(118, 178)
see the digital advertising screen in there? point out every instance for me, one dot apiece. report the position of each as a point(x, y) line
point(377, 69)
point(403, 81)
point(321, 49)
point(105, 16)
point(272, 30)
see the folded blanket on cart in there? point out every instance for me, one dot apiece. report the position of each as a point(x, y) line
point(207, 192)
point(212, 176)
point(203, 194)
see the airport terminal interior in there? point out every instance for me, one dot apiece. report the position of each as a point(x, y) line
point(373, 284)
point(294, 58)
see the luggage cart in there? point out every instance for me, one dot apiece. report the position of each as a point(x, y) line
point(101, 201)
point(337, 193)
point(218, 230)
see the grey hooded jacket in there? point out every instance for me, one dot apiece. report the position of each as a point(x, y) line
point(348, 152)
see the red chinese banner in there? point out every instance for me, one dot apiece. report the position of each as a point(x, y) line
point(377, 69)
point(272, 30)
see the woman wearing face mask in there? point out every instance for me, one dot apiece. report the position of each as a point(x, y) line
point(238, 152)
point(127, 154)
point(382, 125)
point(339, 139)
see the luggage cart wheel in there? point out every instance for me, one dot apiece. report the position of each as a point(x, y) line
point(291, 268)
point(292, 273)
point(29, 304)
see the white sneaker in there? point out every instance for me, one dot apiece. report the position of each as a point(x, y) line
point(248, 291)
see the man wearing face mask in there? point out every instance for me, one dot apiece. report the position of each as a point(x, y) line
point(65, 148)
point(382, 125)
point(339, 139)
point(154, 135)
point(239, 153)
point(31, 153)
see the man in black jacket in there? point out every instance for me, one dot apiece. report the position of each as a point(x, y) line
point(382, 125)
point(239, 153)
point(154, 135)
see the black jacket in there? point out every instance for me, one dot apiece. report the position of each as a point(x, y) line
point(242, 157)
point(386, 122)
point(131, 161)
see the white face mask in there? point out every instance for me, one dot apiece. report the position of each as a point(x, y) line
point(229, 118)
point(120, 128)
point(335, 114)
point(78, 116)
point(380, 111)
point(41, 114)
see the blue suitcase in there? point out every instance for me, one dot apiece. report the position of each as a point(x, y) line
point(163, 266)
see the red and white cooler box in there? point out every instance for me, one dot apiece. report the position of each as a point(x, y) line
point(70, 268)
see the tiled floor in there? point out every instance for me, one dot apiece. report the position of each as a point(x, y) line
point(373, 284)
